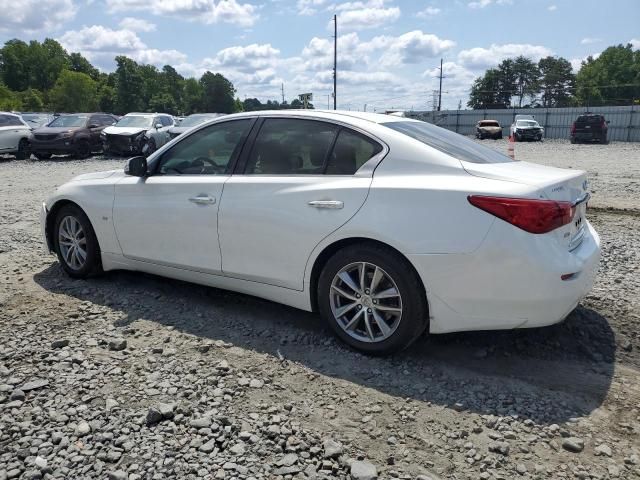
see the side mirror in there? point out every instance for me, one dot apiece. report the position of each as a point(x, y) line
point(136, 167)
point(158, 126)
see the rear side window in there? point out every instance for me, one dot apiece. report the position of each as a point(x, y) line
point(351, 151)
point(289, 146)
point(12, 121)
point(448, 142)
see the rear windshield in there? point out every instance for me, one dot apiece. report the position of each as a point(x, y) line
point(590, 119)
point(489, 124)
point(449, 142)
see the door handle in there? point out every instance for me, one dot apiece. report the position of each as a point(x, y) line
point(333, 204)
point(203, 200)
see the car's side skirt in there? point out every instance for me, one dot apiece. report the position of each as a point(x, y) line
point(286, 296)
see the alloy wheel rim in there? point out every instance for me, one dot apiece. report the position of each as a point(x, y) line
point(366, 302)
point(73, 242)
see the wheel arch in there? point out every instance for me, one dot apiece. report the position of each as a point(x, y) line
point(51, 219)
point(329, 250)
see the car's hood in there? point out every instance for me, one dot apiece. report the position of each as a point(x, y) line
point(54, 130)
point(98, 175)
point(124, 130)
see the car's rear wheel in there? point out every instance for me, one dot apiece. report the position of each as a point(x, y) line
point(75, 243)
point(83, 149)
point(42, 155)
point(372, 299)
point(23, 150)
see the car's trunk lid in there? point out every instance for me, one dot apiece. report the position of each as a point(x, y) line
point(552, 184)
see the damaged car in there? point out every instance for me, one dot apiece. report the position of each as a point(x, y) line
point(488, 129)
point(137, 133)
point(190, 122)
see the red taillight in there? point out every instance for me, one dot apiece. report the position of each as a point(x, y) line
point(573, 128)
point(531, 215)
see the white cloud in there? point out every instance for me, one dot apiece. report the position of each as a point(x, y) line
point(552, 8)
point(102, 45)
point(635, 43)
point(368, 18)
point(576, 63)
point(411, 47)
point(31, 16)
point(137, 25)
point(486, 3)
point(590, 40)
point(481, 58)
point(428, 12)
point(249, 58)
point(309, 7)
point(205, 11)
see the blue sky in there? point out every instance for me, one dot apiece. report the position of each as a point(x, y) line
point(388, 50)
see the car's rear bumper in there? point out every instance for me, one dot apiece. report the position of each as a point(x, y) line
point(588, 136)
point(511, 281)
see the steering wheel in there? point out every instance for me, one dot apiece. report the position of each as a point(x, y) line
point(217, 168)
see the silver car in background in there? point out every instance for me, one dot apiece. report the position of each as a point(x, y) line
point(190, 122)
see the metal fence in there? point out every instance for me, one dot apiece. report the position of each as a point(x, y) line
point(624, 123)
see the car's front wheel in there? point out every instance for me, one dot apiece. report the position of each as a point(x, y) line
point(75, 243)
point(372, 299)
point(23, 150)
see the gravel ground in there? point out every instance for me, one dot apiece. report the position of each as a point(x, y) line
point(131, 376)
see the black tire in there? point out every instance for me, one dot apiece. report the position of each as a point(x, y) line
point(23, 150)
point(83, 149)
point(414, 317)
point(573, 141)
point(42, 155)
point(500, 137)
point(92, 264)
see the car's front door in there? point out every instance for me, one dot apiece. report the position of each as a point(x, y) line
point(298, 185)
point(171, 217)
point(11, 131)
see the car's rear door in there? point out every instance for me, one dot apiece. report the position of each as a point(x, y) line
point(171, 217)
point(296, 185)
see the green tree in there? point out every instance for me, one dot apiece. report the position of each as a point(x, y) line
point(74, 92)
point(47, 60)
point(163, 102)
point(129, 84)
point(14, 65)
point(218, 93)
point(31, 100)
point(526, 76)
point(610, 79)
point(557, 82)
point(252, 105)
point(172, 84)
point(77, 63)
point(484, 91)
point(191, 96)
point(8, 99)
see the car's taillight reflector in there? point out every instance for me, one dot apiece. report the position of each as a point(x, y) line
point(531, 215)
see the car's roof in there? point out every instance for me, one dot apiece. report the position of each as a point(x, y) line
point(143, 114)
point(345, 115)
point(10, 113)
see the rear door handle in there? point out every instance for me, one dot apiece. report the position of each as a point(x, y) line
point(333, 204)
point(203, 200)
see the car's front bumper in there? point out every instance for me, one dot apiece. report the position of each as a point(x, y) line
point(58, 145)
point(512, 281)
point(123, 145)
point(44, 212)
point(529, 134)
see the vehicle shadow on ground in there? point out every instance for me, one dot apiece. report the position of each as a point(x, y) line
point(548, 375)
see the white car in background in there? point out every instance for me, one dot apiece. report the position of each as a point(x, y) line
point(387, 226)
point(14, 135)
point(137, 133)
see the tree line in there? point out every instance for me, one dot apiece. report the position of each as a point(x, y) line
point(43, 76)
point(611, 79)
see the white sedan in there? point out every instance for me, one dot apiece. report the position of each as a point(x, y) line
point(387, 226)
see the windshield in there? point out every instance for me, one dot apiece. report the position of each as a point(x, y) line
point(527, 123)
point(449, 142)
point(193, 120)
point(135, 121)
point(37, 120)
point(69, 121)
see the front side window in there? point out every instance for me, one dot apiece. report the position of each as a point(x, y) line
point(206, 152)
point(289, 146)
point(14, 121)
point(69, 121)
point(165, 121)
point(351, 151)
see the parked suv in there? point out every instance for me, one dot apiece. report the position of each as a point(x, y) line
point(14, 135)
point(138, 133)
point(488, 129)
point(77, 134)
point(526, 129)
point(589, 127)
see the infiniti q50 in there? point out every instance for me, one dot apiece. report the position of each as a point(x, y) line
point(387, 226)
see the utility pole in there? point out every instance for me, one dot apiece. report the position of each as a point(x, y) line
point(365, 107)
point(283, 93)
point(335, 61)
point(328, 98)
point(440, 89)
